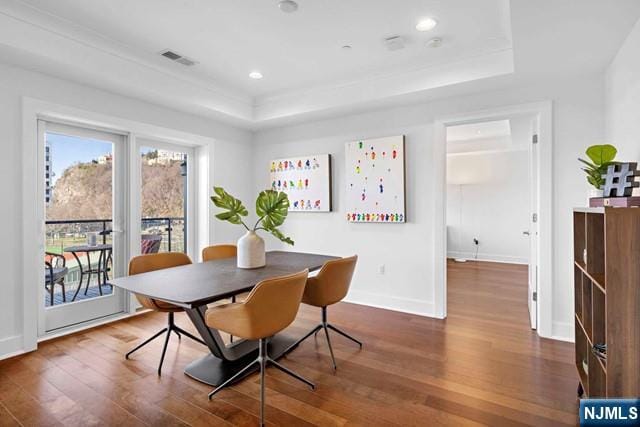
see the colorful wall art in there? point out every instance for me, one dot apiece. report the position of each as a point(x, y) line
point(306, 180)
point(375, 180)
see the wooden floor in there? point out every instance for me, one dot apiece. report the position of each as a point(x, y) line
point(482, 366)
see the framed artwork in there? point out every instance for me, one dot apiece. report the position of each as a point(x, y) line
point(306, 180)
point(375, 180)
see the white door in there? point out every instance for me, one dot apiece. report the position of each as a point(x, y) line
point(85, 185)
point(533, 225)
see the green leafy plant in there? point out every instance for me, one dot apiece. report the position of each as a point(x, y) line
point(272, 208)
point(601, 157)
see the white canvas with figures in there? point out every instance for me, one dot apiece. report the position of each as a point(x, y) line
point(306, 180)
point(375, 180)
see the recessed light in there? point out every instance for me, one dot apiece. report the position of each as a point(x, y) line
point(435, 42)
point(288, 6)
point(256, 75)
point(346, 47)
point(426, 24)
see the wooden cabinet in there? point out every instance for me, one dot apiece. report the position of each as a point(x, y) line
point(607, 300)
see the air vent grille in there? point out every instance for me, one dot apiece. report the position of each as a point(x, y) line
point(176, 57)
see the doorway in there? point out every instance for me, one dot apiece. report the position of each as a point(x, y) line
point(542, 111)
point(84, 232)
point(491, 213)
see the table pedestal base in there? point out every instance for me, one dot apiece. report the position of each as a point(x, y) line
point(214, 371)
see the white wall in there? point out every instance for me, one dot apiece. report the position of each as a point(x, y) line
point(232, 147)
point(493, 206)
point(406, 249)
point(623, 99)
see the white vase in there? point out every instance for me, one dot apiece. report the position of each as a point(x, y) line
point(251, 251)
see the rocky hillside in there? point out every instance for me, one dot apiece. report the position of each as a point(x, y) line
point(84, 192)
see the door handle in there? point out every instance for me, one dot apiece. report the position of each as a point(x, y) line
point(526, 233)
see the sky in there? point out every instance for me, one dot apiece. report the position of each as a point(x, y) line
point(67, 150)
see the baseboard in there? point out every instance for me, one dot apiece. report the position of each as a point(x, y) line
point(506, 259)
point(11, 346)
point(388, 302)
point(563, 331)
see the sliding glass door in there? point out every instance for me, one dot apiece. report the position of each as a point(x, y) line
point(85, 197)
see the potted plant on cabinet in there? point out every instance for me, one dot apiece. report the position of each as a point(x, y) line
point(272, 208)
point(601, 157)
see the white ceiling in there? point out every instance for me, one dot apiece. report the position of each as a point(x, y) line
point(229, 39)
point(481, 130)
point(114, 44)
point(512, 133)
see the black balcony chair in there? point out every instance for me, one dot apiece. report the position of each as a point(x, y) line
point(54, 273)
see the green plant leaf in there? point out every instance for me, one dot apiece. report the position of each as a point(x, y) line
point(590, 165)
point(234, 209)
point(272, 207)
point(278, 234)
point(600, 154)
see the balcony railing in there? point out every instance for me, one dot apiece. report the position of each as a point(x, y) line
point(69, 232)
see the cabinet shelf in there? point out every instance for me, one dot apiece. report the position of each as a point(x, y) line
point(598, 279)
point(606, 297)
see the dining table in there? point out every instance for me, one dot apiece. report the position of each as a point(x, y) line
point(194, 286)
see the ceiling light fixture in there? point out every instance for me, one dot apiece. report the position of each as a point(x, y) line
point(426, 24)
point(346, 47)
point(256, 75)
point(288, 6)
point(435, 42)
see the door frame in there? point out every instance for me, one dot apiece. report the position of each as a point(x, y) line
point(119, 218)
point(544, 111)
point(33, 205)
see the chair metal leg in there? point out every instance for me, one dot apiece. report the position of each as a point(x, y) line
point(64, 291)
point(164, 351)
point(293, 374)
point(139, 346)
point(175, 331)
point(262, 359)
point(297, 343)
point(86, 288)
point(333, 359)
point(187, 334)
point(233, 378)
point(344, 334)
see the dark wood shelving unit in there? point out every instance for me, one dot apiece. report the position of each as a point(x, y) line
point(606, 244)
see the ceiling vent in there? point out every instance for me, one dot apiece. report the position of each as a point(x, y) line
point(176, 57)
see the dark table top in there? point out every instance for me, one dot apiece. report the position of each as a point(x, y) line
point(197, 284)
point(87, 248)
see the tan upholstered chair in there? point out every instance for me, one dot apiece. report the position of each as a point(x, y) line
point(328, 287)
point(151, 262)
point(214, 252)
point(270, 307)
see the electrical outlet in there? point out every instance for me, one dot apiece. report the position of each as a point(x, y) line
point(381, 269)
point(475, 241)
